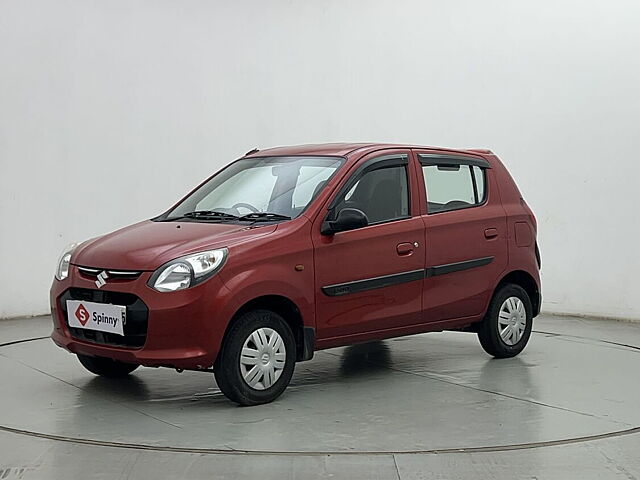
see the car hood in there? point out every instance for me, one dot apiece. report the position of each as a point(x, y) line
point(146, 245)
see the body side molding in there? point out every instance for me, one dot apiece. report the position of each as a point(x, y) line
point(372, 283)
point(365, 284)
point(457, 267)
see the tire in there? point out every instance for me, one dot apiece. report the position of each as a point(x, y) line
point(259, 375)
point(511, 306)
point(106, 367)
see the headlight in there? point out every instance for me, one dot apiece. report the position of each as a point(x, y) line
point(62, 271)
point(187, 271)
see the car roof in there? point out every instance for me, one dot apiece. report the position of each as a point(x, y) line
point(348, 149)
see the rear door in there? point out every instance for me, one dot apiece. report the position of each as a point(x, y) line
point(466, 234)
point(370, 278)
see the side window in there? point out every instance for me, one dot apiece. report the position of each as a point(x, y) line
point(382, 194)
point(452, 187)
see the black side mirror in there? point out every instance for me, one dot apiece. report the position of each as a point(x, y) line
point(348, 219)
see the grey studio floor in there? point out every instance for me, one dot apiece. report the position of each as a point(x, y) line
point(428, 406)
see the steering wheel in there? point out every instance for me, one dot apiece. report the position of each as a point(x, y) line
point(248, 206)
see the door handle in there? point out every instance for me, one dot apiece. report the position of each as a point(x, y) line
point(405, 248)
point(491, 233)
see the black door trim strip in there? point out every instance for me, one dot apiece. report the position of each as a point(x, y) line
point(372, 283)
point(356, 286)
point(457, 267)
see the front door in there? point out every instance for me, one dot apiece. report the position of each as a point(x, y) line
point(370, 279)
point(466, 235)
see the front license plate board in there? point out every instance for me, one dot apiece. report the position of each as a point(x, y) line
point(102, 317)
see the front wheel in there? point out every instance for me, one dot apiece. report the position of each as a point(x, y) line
point(506, 327)
point(257, 358)
point(106, 367)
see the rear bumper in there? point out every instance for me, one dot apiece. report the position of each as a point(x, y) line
point(184, 328)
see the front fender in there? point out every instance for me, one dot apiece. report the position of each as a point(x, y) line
point(278, 264)
point(258, 282)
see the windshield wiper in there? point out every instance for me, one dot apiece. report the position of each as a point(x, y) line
point(263, 217)
point(207, 214)
point(216, 215)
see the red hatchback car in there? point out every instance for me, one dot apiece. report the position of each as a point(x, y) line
point(295, 249)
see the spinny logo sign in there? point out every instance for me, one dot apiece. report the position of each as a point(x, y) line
point(82, 314)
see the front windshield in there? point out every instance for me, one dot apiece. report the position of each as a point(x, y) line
point(282, 186)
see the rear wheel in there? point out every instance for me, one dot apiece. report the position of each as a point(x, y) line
point(506, 327)
point(257, 358)
point(106, 367)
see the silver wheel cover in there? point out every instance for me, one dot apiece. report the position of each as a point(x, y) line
point(262, 359)
point(512, 320)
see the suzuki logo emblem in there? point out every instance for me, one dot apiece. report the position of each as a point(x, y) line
point(102, 277)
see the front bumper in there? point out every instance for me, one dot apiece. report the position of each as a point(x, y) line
point(184, 329)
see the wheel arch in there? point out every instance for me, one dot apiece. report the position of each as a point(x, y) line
point(289, 311)
point(526, 281)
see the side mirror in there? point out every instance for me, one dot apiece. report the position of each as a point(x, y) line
point(348, 219)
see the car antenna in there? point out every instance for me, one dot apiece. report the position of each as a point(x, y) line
point(255, 150)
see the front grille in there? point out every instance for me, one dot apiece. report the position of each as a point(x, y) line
point(113, 274)
point(135, 330)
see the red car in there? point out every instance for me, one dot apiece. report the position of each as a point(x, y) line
point(295, 249)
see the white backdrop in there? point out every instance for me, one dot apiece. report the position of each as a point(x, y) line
point(111, 110)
